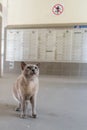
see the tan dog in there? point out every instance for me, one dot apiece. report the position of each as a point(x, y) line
point(26, 88)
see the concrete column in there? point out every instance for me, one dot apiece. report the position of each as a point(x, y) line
point(0, 39)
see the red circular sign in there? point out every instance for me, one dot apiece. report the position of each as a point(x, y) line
point(57, 9)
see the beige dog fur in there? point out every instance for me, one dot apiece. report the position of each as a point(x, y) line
point(26, 88)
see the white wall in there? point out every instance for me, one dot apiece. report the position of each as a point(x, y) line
point(1, 1)
point(40, 11)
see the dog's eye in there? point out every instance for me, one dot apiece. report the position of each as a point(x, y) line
point(28, 67)
point(35, 67)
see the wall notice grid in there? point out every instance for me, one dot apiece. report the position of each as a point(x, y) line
point(49, 45)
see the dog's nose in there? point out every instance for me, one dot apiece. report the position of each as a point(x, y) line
point(33, 70)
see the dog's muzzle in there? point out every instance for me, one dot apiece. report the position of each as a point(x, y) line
point(33, 71)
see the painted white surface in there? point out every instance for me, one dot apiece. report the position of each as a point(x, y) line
point(40, 11)
point(1, 1)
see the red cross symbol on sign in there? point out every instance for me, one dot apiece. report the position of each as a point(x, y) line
point(57, 9)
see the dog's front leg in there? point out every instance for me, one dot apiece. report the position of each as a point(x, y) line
point(22, 109)
point(18, 108)
point(33, 103)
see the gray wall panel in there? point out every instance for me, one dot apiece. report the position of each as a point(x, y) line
point(51, 68)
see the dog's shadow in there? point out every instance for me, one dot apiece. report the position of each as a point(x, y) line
point(7, 110)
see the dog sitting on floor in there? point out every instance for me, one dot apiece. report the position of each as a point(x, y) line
point(26, 88)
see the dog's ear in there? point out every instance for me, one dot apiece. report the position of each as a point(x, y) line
point(23, 64)
point(38, 64)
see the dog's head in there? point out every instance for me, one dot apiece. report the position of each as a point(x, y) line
point(30, 69)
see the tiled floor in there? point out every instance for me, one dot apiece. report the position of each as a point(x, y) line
point(62, 105)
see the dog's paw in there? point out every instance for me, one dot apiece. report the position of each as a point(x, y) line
point(18, 109)
point(22, 116)
point(34, 115)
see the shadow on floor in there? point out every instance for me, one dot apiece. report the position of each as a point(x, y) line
point(7, 110)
